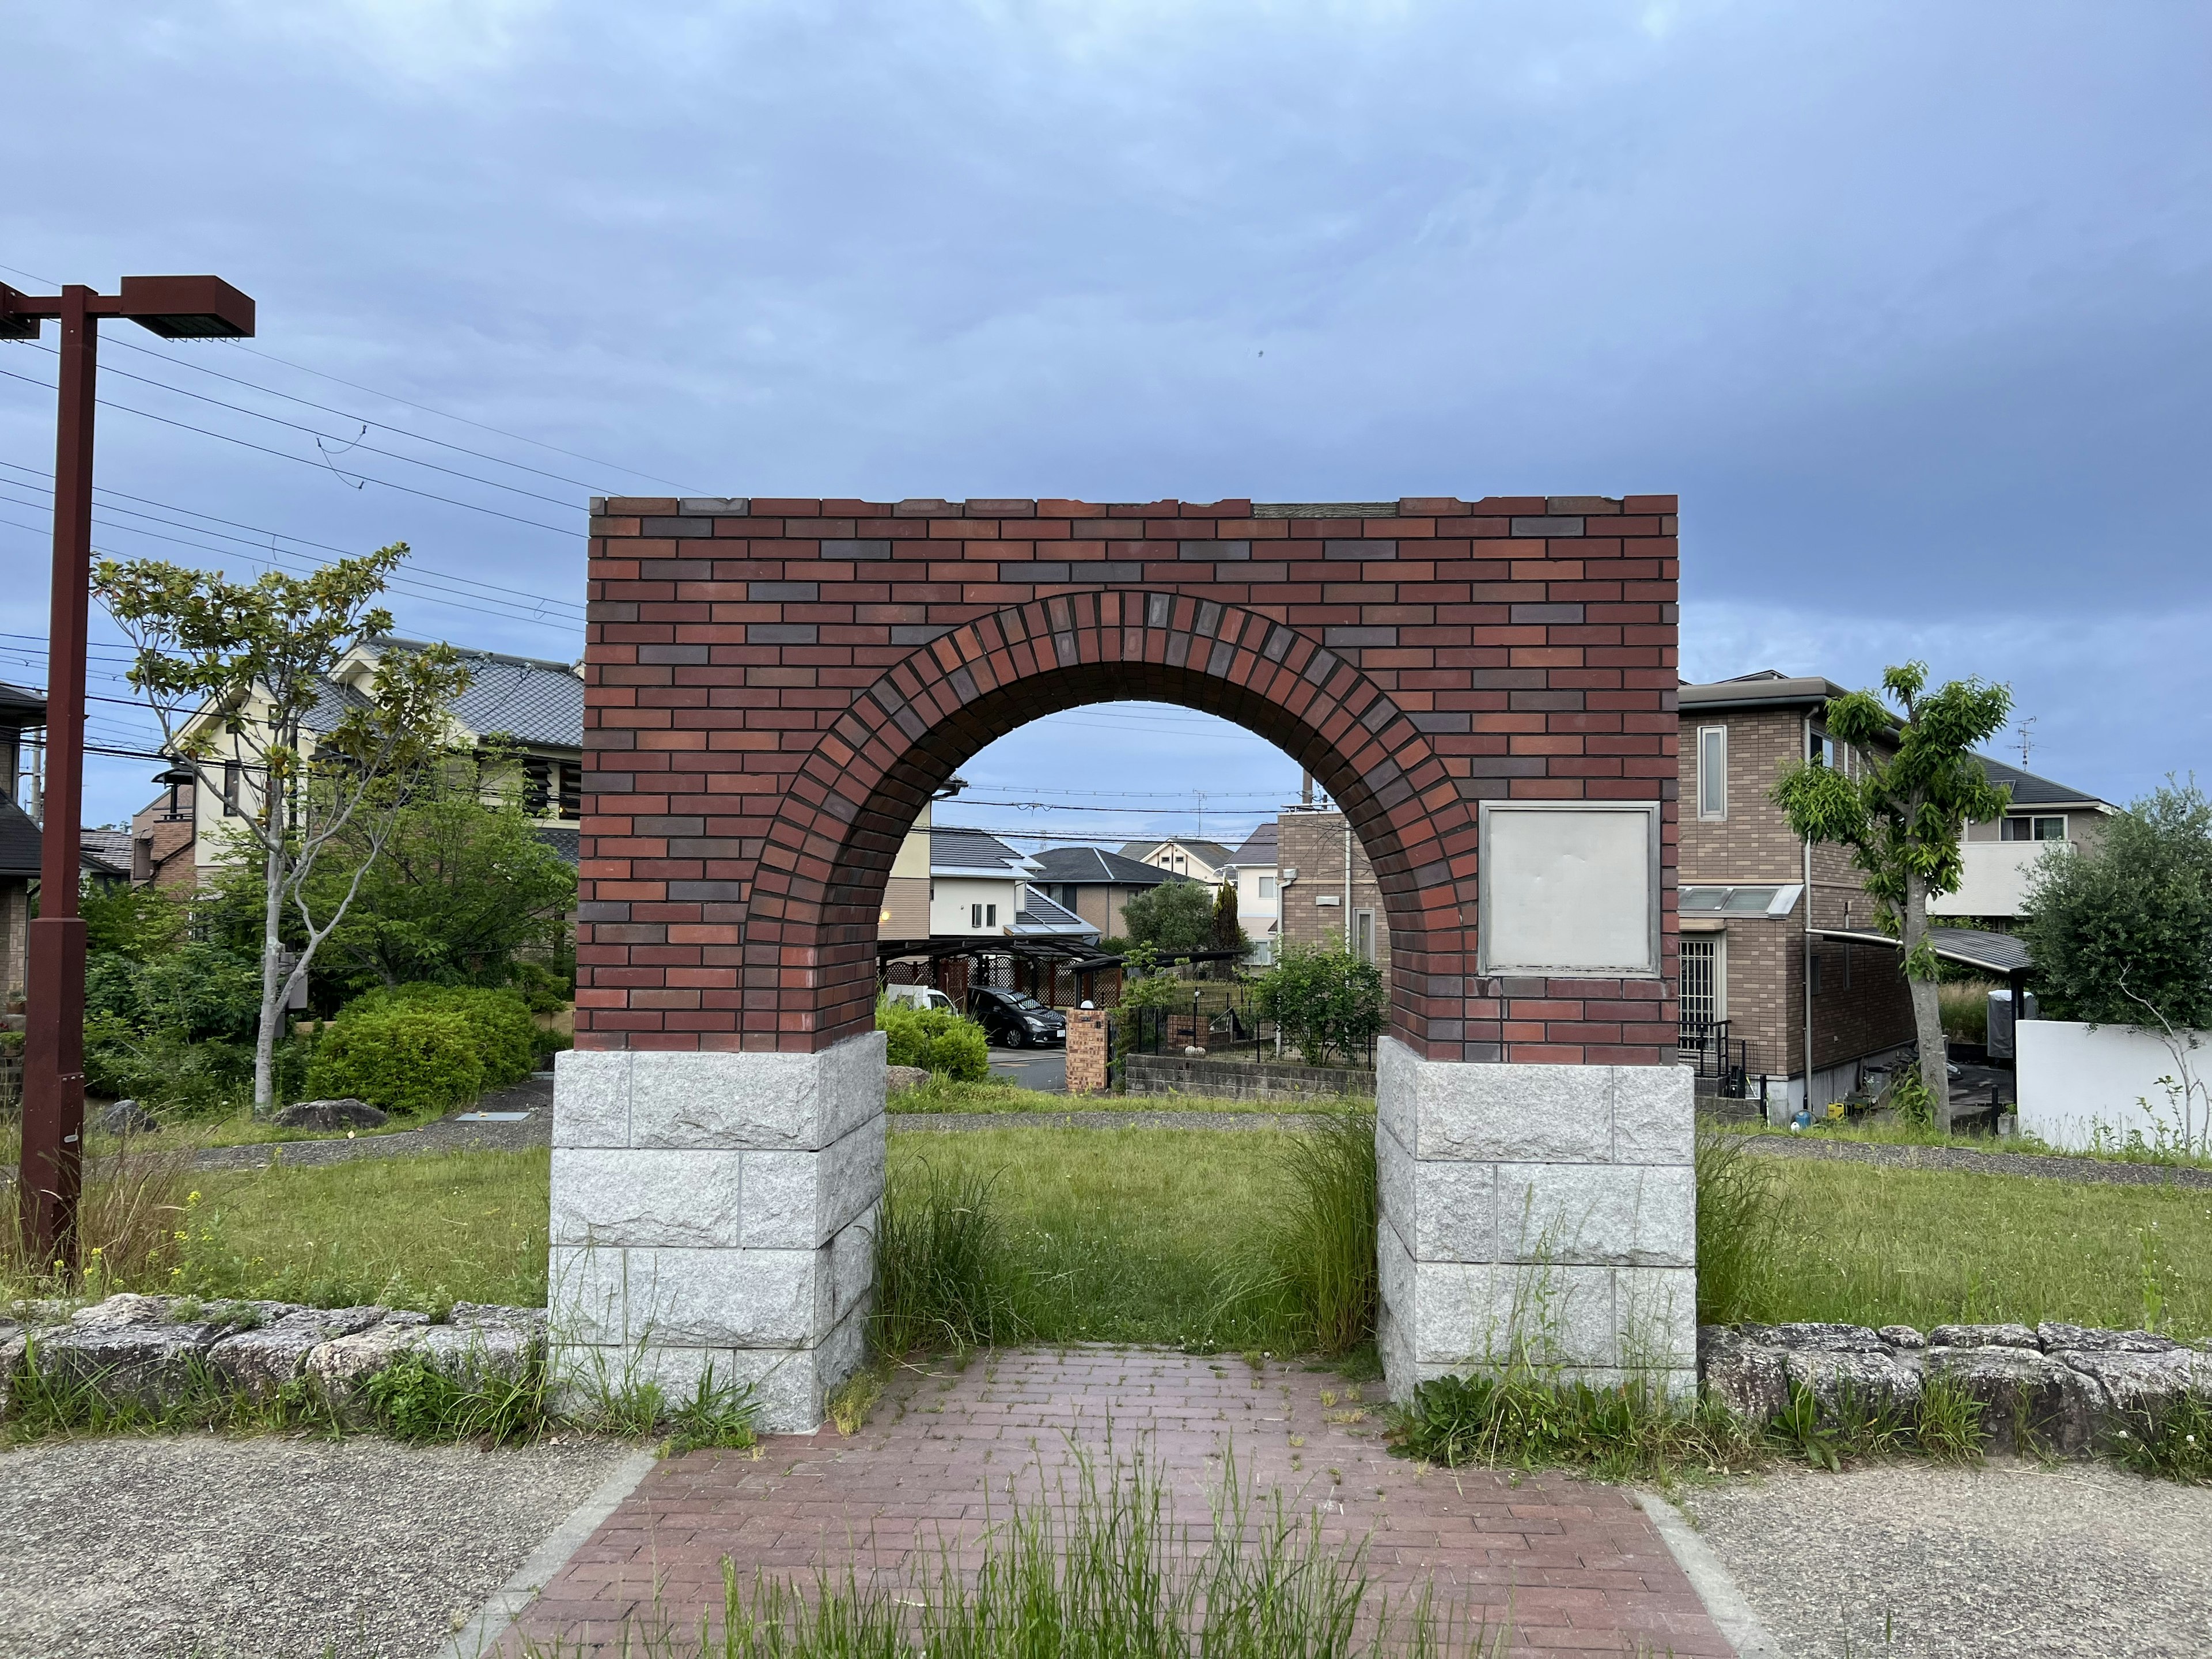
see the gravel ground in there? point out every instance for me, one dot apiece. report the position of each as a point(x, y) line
point(2071, 1561)
point(272, 1547)
point(446, 1134)
point(1958, 1158)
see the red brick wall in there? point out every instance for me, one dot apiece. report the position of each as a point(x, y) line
point(774, 688)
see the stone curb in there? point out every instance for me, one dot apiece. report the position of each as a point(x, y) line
point(1709, 1575)
point(506, 1604)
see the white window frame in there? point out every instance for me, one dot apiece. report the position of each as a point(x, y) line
point(1267, 887)
point(1719, 943)
point(1712, 779)
point(1363, 934)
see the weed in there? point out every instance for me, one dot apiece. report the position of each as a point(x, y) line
point(717, 1414)
point(1523, 1418)
point(1325, 1245)
point(1738, 1215)
point(2177, 1444)
point(1948, 1422)
point(852, 1400)
point(1801, 1429)
point(938, 1264)
point(413, 1399)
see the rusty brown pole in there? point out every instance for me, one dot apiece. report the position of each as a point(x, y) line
point(176, 307)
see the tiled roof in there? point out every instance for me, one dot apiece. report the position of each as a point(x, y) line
point(18, 841)
point(2029, 790)
point(105, 851)
point(1259, 846)
point(21, 706)
point(971, 849)
point(527, 698)
point(1096, 866)
point(1040, 914)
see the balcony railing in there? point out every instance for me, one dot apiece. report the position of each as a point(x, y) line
point(1705, 1046)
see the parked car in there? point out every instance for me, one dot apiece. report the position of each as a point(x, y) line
point(920, 996)
point(1015, 1019)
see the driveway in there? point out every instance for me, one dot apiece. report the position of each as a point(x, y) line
point(1044, 1069)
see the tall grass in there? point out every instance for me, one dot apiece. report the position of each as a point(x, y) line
point(1325, 1244)
point(1101, 1569)
point(940, 1268)
point(1739, 1215)
point(128, 1219)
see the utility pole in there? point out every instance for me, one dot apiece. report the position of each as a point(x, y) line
point(176, 308)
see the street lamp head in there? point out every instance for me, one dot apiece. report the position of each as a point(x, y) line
point(188, 307)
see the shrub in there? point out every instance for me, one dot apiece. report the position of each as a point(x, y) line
point(1176, 915)
point(507, 1038)
point(404, 1056)
point(1324, 998)
point(936, 1039)
point(195, 991)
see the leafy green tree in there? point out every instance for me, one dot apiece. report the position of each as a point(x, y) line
point(1175, 917)
point(233, 672)
point(1324, 996)
point(1919, 785)
point(462, 893)
point(141, 923)
point(2121, 930)
point(1227, 934)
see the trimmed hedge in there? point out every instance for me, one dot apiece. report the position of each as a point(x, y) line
point(935, 1039)
point(421, 1048)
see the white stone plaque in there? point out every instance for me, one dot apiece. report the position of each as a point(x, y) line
point(1569, 887)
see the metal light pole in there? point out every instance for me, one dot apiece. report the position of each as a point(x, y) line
point(176, 308)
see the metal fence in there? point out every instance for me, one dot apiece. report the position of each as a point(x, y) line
point(1223, 1019)
point(1716, 1057)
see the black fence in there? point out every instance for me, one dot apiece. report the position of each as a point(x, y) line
point(1717, 1059)
point(1224, 1020)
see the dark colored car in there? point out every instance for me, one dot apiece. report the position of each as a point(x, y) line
point(1015, 1019)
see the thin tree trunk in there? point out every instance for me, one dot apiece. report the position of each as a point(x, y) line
point(272, 976)
point(1926, 1010)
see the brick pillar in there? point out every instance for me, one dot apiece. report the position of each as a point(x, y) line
point(1086, 1051)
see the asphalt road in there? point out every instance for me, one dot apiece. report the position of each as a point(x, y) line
point(1044, 1069)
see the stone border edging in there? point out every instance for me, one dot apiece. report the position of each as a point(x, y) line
point(1725, 1603)
point(506, 1604)
point(2051, 1166)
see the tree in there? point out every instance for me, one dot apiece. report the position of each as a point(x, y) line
point(246, 667)
point(1227, 934)
point(1175, 917)
point(1919, 785)
point(1323, 997)
point(461, 891)
point(2121, 930)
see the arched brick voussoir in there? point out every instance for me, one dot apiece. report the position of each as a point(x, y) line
point(829, 850)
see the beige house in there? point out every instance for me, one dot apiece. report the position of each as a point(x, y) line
point(527, 708)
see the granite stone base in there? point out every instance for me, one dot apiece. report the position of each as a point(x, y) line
point(717, 1210)
point(1545, 1215)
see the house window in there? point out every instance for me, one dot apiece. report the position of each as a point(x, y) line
point(2034, 829)
point(537, 784)
point(990, 915)
point(1812, 975)
point(233, 774)
point(974, 915)
point(1363, 935)
point(1712, 771)
point(572, 789)
point(1267, 887)
point(1703, 989)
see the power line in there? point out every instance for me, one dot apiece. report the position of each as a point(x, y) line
point(283, 455)
point(336, 438)
point(36, 482)
point(389, 396)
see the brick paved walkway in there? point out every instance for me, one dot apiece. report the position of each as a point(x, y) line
point(1563, 1563)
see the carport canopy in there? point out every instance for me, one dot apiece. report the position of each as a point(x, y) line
point(2001, 956)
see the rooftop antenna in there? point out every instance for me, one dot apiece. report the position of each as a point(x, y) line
point(2027, 739)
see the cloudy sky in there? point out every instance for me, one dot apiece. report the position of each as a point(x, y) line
point(1909, 303)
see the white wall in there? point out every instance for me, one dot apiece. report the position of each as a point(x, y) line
point(951, 898)
point(2074, 1078)
point(1994, 878)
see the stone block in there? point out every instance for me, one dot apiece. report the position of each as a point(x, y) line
point(1636, 1215)
point(1447, 1209)
point(1869, 1380)
point(2140, 1387)
point(756, 1100)
point(1983, 1336)
point(1654, 1115)
point(588, 1295)
point(2029, 1401)
point(259, 1363)
point(1750, 1377)
point(797, 1201)
point(591, 1098)
point(649, 1196)
point(1451, 1109)
point(725, 1298)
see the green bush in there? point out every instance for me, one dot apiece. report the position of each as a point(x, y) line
point(935, 1039)
point(1324, 998)
point(195, 992)
point(405, 1056)
point(507, 1038)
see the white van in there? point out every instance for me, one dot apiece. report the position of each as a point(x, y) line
point(920, 996)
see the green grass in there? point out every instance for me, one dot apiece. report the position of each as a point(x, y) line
point(421, 1231)
point(943, 1094)
point(1883, 1129)
point(1877, 1246)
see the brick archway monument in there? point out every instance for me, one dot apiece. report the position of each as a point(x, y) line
point(776, 688)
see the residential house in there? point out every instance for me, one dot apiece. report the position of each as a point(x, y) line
point(161, 834)
point(1096, 884)
point(1199, 859)
point(1998, 855)
point(527, 711)
point(1259, 904)
point(990, 921)
point(1325, 890)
